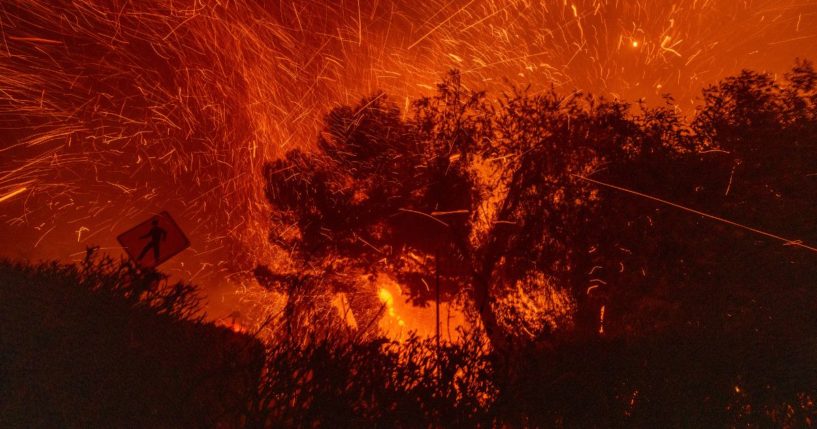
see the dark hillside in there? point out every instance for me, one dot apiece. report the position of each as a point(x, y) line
point(104, 345)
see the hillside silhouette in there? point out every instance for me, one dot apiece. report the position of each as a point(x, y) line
point(103, 344)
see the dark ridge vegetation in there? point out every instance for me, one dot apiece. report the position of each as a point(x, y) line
point(104, 344)
point(338, 382)
point(639, 313)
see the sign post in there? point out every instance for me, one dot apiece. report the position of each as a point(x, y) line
point(154, 241)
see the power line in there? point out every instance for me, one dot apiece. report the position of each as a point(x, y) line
point(786, 241)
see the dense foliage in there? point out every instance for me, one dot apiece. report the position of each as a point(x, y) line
point(672, 317)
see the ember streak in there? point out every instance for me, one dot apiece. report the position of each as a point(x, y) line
point(113, 110)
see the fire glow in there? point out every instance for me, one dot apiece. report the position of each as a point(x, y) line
point(114, 110)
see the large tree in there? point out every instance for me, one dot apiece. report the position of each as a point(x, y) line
point(493, 195)
point(487, 194)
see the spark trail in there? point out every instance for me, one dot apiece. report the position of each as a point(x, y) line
point(111, 110)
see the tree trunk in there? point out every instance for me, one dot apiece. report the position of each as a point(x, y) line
point(481, 295)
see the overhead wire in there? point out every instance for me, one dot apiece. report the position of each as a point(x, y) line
point(786, 241)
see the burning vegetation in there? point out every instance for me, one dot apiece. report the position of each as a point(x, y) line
point(615, 263)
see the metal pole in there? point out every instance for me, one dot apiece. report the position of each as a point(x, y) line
point(437, 287)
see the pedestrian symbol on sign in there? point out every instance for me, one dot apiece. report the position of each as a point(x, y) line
point(156, 235)
point(154, 241)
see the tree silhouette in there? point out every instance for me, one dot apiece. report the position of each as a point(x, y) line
point(485, 192)
point(491, 193)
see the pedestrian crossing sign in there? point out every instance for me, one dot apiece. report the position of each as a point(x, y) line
point(154, 241)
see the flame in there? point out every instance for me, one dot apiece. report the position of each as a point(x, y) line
point(400, 316)
point(392, 318)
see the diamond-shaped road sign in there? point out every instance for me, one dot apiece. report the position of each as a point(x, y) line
point(154, 241)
